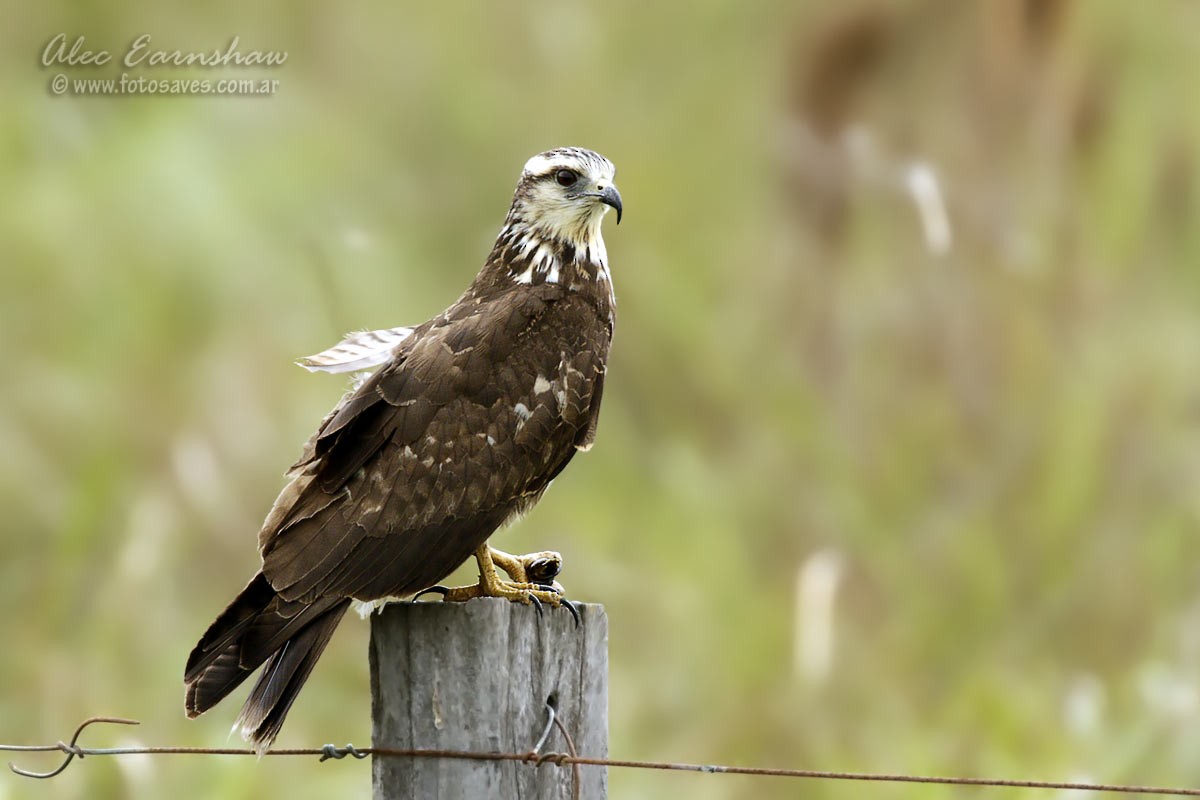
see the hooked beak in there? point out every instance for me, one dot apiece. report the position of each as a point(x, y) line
point(611, 197)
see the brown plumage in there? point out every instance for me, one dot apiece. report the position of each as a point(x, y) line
point(464, 425)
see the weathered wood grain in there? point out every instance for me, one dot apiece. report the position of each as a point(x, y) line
point(476, 676)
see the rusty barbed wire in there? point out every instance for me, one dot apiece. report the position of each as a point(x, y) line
point(572, 759)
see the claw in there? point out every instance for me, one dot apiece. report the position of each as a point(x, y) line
point(537, 604)
point(438, 589)
point(574, 611)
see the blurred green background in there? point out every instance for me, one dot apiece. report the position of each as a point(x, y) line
point(898, 462)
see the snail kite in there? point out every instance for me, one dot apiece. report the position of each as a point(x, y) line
point(461, 427)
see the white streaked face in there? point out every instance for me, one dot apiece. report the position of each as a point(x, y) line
point(567, 193)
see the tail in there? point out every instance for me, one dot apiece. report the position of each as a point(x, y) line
point(260, 626)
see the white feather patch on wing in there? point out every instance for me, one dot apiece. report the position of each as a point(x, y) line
point(361, 350)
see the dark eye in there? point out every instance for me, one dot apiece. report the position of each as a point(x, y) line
point(566, 177)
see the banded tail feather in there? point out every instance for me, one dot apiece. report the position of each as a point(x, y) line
point(259, 628)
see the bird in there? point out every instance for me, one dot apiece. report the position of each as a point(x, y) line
point(459, 428)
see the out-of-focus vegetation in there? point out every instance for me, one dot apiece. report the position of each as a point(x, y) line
point(870, 493)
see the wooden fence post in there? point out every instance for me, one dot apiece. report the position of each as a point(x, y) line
point(476, 676)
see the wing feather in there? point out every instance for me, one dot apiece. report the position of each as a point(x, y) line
point(438, 448)
point(357, 351)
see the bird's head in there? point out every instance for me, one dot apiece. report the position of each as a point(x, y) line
point(563, 195)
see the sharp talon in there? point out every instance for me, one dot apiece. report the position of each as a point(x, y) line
point(439, 589)
point(537, 604)
point(574, 611)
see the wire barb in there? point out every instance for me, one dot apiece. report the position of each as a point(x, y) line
point(329, 751)
point(72, 750)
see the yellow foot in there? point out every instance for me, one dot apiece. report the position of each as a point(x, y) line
point(525, 593)
point(540, 567)
point(536, 566)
